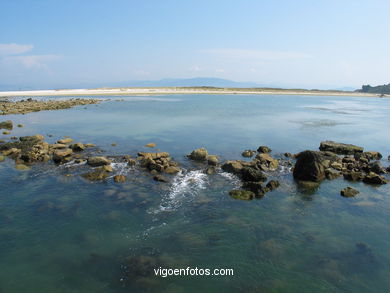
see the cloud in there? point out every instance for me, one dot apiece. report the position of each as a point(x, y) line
point(256, 54)
point(33, 61)
point(14, 49)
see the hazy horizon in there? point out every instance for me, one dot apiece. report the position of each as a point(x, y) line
point(324, 45)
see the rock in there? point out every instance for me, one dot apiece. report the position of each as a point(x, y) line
point(154, 156)
point(340, 148)
point(199, 154)
point(22, 167)
point(212, 160)
point(373, 178)
point(20, 125)
point(172, 170)
point(248, 153)
point(353, 176)
point(58, 146)
point(107, 168)
point(2, 158)
point(308, 167)
point(150, 145)
point(264, 149)
point(6, 125)
point(119, 178)
point(336, 165)
point(234, 167)
point(89, 145)
point(266, 162)
point(288, 155)
point(77, 147)
point(273, 184)
point(6, 132)
point(65, 140)
point(349, 192)
point(131, 162)
point(332, 174)
point(371, 155)
point(96, 175)
point(308, 186)
point(375, 167)
point(256, 187)
point(98, 161)
point(11, 151)
point(160, 178)
point(252, 174)
point(62, 155)
point(32, 138)
point(242, 194)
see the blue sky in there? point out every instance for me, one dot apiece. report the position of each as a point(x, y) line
point(311, 44)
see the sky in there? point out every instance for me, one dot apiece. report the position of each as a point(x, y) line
point(308, 44)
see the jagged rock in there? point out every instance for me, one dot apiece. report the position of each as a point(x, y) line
point(308, 167)
point(376, 167)
point(266, 162)
point(234, 167)
point(212, 160)
point(373, 178)
point(160, 178)
point(150, 145)
point(77, 147)
point(242, 194)
point(6, 125)
point(119, 178)
point(353, 176)
point(370, 155)
point(337, 166)
point(62, 155)
point(332, 174)
point(248, 153)
point(252, 174)
point(273, 184)
point(264, 149)
point(200, 154)
point(349, 192)
point(98, 161)
point(340, 148)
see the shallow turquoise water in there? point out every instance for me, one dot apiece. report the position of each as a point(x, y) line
point(62, 234)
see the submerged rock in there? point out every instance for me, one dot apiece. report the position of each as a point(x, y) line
point(22, 167)
point(160, 178)
point(256, 187)
point(349, 192)
point(308, 167)
point(119, 178)
point(242, 194)
point(200, 154)
point(272, 184)
point(96, 175)
point(252, 174)
point(340, 148)
point(150, 145)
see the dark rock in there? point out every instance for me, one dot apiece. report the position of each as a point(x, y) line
point(373, 178)
point(256, 187)
point(234, 167)
point(248, 153)
point(160, 178)
point(264, 149)
point(6, 125)
point(375, 167)
point(288, 155)
point(210, 170)
point(273, 184)
point(353, 176)
point(308, 167)
point(199, 154)
point(98, 161)
point(62, 156)
point(340, 148)
point(241, 194)
point(77, 147)
point(252, 174)
point(349, 192)
point(332, 174)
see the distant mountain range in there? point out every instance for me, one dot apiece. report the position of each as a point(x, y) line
point(167, 82)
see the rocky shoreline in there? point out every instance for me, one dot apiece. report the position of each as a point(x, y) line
point(309, 168)
point(30, 105)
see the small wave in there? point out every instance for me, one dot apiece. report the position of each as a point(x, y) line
point(230, 177)
point(185, 186)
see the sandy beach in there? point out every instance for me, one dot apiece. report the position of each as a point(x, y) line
point(178, 90)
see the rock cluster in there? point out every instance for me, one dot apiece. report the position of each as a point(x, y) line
point(159, 162)
point(337, 159)
point(252, 174)
point(30, 105)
